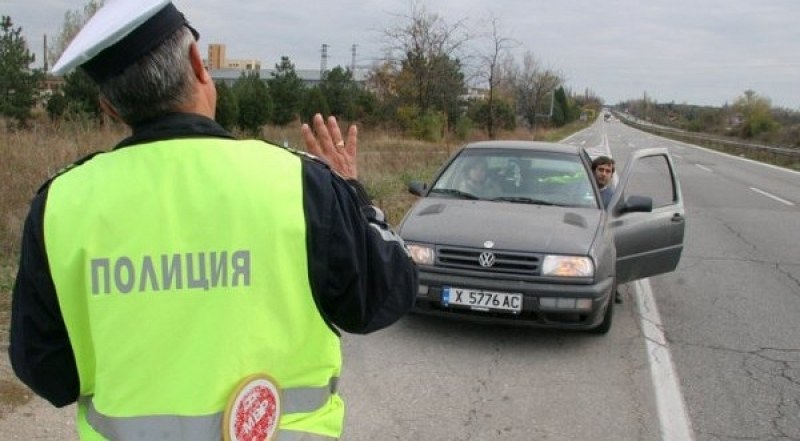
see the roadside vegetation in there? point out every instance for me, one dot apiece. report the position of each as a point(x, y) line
point(750, 117)
point(751, 127)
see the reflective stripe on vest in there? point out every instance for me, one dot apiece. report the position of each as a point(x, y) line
point(205, 427)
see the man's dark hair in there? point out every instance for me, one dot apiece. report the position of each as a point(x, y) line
point(601, 160)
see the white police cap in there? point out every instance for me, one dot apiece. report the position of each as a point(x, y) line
point(119, 34)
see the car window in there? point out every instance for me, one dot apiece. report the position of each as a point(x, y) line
point(652, 177)
point(518, 176)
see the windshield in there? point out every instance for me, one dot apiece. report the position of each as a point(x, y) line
point(518, 176)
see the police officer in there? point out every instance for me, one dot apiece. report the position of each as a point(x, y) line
point(187, 285)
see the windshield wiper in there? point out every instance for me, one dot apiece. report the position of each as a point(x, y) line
point(523, 200)
point(454, 192)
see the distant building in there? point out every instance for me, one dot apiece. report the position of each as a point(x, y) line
point(218, 60)
point(228, 71)
point(216, 56)
point(475, 94)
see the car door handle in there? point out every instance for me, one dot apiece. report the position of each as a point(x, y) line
point(677, 217)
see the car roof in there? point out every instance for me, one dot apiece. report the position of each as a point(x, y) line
point(526, 145)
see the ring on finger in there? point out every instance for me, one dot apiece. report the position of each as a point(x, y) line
point(340, 144)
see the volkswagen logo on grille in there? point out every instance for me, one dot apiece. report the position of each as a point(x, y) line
point(486, 259)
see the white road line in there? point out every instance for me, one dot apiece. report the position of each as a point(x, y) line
point(781, 200)
point(703, 167)
point(672, 414)
point(677, 156)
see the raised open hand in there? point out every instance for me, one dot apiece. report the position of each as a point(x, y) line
point(326, 142)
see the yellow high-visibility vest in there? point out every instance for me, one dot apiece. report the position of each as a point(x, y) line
point(181, 268)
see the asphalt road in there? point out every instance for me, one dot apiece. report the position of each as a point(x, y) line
point(729, 315)
point(731, 310)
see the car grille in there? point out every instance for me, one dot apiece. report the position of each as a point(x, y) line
point(504, 261)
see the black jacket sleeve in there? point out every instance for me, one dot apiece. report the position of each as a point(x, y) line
point(360, 272)
point(39, 347)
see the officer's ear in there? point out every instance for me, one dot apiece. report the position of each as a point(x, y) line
point(109, 109)
point(198, 68)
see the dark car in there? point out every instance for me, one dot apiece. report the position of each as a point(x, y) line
point(534, 246)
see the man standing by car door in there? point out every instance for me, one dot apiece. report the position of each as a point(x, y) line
point(603, 169)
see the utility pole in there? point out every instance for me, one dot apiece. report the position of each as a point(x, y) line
point(323, 66)
point(353, 60)
point(44, 54)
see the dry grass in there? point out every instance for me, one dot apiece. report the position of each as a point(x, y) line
point(30, 157)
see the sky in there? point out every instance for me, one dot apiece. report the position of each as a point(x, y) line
point(701, 52)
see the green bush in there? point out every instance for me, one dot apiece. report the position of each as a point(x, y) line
point(463, 127)
point(428, 126)
point(56, 106)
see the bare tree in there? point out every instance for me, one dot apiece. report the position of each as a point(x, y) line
point(533, 84)
point(490, 69)
point(73, 22)
point(425, 50)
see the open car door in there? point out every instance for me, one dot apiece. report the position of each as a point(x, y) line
point(647, 216)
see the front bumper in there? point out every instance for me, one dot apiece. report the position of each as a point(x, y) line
point(534, 312)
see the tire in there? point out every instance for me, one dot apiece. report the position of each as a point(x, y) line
point(608, 317)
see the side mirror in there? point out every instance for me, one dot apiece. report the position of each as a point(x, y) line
point(417, 188)
point(637, 204)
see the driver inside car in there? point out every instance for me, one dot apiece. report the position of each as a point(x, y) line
point(477, 181)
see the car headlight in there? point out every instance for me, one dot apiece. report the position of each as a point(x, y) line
point(567, 266)
point(421, 254)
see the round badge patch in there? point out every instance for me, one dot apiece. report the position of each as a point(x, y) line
point(253, 411)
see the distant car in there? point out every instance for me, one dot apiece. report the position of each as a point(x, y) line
point(539, 249)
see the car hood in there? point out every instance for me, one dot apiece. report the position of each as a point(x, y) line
point(511, 226)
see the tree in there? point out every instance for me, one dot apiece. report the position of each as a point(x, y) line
point(341, 92)
point(503, 116)
point(73, 22)
point(367, 107)
point(314, 103)
point(490, 70)
point(82, 95)
point(561, 110)
point(80, 91)
point(756, 114)
point(383, 80)
point(227, 108)
point(18, 83)
point(286, 90)
point(429, 76)
point(255, 104)
point(56, 106)
point(532, 86)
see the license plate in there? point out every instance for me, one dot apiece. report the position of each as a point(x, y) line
point(482, 300)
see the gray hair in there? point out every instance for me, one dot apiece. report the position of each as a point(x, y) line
point(157, 84)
